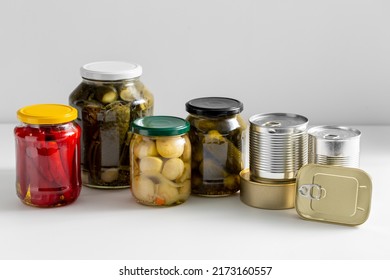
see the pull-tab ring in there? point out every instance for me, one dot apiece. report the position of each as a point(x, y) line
point(312, 191)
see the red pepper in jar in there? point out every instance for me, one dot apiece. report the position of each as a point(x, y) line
point(48, 155)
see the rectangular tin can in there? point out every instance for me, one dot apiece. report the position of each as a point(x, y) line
point(333, 194)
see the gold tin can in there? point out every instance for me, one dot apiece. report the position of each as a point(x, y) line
point(272, 195)
point(333, 194)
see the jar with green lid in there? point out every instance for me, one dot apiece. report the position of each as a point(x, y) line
point(160, 160)
point(218, 137)
point(110, 96)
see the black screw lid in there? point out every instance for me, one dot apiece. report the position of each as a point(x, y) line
point(214, 106)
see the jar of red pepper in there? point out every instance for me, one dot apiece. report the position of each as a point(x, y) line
point(47, 155)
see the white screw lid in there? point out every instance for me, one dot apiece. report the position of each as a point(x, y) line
point(110, 71)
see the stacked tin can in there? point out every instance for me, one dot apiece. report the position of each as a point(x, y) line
point(277, 150)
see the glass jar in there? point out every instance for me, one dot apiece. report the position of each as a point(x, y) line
point(218, 137)
point(109, 97)
point(47, 155)
point(160, 155)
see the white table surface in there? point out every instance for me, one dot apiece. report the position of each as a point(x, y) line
point(109, 224)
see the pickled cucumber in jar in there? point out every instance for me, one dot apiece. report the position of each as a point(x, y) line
point(217, 136)
point(110, 96)
point(160, 166)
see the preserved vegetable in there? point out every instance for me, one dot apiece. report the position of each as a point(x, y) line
point(47, 159)
point(106, 109)
point(160, 161)
point(217, 137)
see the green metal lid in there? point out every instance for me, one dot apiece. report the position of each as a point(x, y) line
point(160, 126)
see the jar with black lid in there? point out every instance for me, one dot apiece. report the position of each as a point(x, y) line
point(110, 96)
point(217, 137)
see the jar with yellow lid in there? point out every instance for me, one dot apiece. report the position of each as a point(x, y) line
point(47, 155)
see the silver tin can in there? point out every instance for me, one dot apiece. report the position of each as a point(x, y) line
point(277, 146)
point(334, 145)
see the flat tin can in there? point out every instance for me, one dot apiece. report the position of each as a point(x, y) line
point(333, 194)
point(270, 195)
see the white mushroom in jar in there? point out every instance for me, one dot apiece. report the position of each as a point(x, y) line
point(186, 173)
point(150, 164)
point(143, 189)
point(185, 190)
point(187, 149)
point(173, 168)
point(145, 148)
point(166, 195)
point(158, 178)
point(170, 147)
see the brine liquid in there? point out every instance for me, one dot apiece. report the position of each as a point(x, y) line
point(48, 164)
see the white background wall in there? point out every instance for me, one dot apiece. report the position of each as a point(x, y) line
point(328, 60)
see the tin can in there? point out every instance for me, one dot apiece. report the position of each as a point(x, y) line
point(334, 145)
point(275, 196)
point(47, 155)
point(333, 194)
point(277, 146)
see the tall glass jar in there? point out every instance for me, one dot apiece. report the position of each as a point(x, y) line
point(47, 155)
point(110, 96)
point(218, 137)
point(160, 161)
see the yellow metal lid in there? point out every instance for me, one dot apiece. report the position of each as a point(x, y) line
point(47, 114)
point(333, 194)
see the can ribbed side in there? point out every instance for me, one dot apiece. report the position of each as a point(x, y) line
point(277, 156)
point(337, 161)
